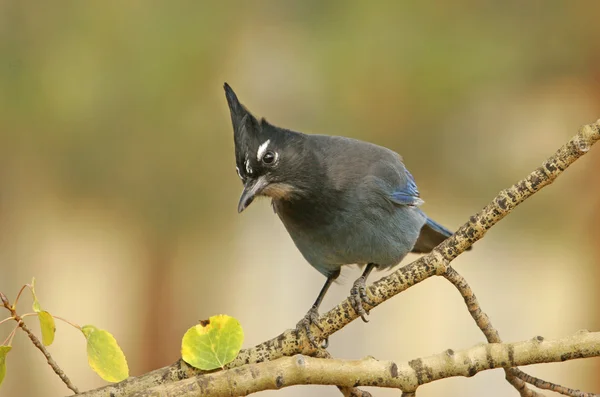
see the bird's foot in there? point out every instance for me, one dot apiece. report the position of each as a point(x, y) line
point(358, 296)
point(311, 318)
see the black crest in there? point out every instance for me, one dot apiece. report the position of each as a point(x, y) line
point(252, 136)
point(246, 133)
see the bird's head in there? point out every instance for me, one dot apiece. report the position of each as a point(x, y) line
point(269, 160)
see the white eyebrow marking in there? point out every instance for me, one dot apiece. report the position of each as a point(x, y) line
point(262, 149)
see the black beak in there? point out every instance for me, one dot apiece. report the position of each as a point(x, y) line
point(252, 188)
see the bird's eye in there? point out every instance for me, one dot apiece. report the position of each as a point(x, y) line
point(269, 157)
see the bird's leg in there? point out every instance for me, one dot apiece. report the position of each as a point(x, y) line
point(312, 316)
point(358, 293)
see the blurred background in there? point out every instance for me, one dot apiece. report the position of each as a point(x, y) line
point(118, 189)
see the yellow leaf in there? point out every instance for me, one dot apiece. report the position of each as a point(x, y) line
point(212, 343)
point(104, 354)
point(3, 352)
point(47, 326)
point(36, 304)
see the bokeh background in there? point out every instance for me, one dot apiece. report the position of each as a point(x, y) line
point(118, 188)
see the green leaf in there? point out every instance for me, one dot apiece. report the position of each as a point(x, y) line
point(46, 320)
point(104, 354)
point(3, 352)
point(47, 326)
point(36, 304)
point(213, 343)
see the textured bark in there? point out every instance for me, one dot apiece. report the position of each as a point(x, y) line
point(408, 376)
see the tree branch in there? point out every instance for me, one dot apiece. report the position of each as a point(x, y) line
point(61, 374)
point(346, 391)
point(407, 377)
point(434, 263)
point(542, 384)
point(485, 325)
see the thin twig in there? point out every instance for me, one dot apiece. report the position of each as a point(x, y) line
point(521, 387)
point(542, 384)
point(67, 321)
point(39, 345)
point(514, 376)
point(7, 319)
point(19, 295)
point(9, 339)
point(485, 325)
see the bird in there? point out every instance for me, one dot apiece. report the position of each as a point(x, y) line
point(343, 201)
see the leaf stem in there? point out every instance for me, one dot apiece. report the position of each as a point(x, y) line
point(66, 321)
point(9, 339)
point(7, 319)
point(14, 306)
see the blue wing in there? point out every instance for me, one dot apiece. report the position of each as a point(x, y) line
point(408, 194)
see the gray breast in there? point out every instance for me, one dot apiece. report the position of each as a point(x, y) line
point(346, 220)
point(356, 237)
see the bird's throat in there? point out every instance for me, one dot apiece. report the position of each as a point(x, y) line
point(280, 191)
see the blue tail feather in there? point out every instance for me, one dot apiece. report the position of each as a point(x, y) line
point(432, 234)
point(438, 228)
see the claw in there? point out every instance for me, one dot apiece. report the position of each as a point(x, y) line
point(358, 296)
point(311, 318)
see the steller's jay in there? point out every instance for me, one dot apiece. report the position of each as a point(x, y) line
point(343, 201)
